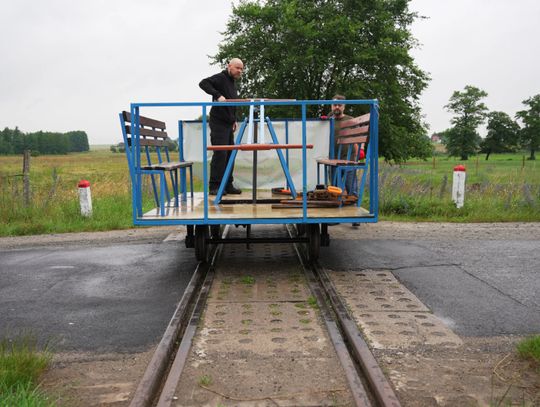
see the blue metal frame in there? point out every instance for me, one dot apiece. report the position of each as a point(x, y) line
point(136, 172)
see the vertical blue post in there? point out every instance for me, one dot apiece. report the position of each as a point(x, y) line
point(332, 153)
point(183, 182)
point(127, 148)
point(331, 138)
point(136, 158)
point(287, 150)
point(205, 163)
point(374, 162)
point(304, 159)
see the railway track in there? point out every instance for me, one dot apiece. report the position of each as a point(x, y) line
point(367, 385)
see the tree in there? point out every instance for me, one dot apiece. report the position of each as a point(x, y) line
point(502, 136)
point(530, 134)
point(313, 49)
point(6, 141)
point(78, 141)
point(463, 140)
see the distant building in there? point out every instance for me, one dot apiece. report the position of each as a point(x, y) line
point(435, 138)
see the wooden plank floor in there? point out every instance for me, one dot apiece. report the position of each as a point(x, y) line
point(194, 209)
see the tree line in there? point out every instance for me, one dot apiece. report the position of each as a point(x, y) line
point(504, 133)
point(14, 141)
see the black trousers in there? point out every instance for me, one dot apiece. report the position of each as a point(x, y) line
point(220, 134)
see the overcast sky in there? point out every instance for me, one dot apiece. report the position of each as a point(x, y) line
point(67, 65)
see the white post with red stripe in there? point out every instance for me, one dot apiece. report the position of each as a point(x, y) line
point(458, 185)
point(85, 198)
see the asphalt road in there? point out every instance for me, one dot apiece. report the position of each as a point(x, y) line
point(478, 287)
point(118, 295)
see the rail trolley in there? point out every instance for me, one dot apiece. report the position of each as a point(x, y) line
point(287, 169)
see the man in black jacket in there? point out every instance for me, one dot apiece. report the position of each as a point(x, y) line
point(222, 121)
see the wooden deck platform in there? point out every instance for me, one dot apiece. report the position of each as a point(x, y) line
point(194, 209)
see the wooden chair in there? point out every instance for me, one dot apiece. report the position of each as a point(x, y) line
point(153, 134)
point(353, 135)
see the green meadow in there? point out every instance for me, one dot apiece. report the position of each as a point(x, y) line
point(505, 188)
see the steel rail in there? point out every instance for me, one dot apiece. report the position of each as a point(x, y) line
point(358, 389)
point(166, 397)
point(379, 385)
point(152, 381)
point(382, 390)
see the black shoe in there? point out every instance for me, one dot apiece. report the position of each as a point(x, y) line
point(355, 224)
point(231, 189)
point(214, 191)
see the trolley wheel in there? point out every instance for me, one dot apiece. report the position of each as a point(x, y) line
point(190, 237)
point(201, 246)
point(215, 231)
point(325, 237)
point(314, 247)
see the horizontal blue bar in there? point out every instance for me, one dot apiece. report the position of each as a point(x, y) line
point(257, 103)
point(251, 221)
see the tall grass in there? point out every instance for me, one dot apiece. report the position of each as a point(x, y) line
point(497, 190)
point(529, 348)
point(54, 206)
point(24, 395)
point(21, 364)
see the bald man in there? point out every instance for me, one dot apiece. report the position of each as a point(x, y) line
point(222, 86)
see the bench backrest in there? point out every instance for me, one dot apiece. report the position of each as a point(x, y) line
point(153, 134)
point(354, 132)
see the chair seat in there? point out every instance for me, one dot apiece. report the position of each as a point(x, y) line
point(168, 166)
point(335, 162)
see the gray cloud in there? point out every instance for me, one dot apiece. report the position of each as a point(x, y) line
point(70, 65)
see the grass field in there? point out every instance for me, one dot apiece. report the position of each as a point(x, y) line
point(21, 364)
point(54, 205)
point(505, 188)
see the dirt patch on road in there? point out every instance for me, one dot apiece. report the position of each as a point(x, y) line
point(84, 379)
point(481, 372)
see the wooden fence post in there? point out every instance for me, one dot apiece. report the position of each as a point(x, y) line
point(26, 177)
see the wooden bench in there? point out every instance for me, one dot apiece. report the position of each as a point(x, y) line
point(153, 136)
point(353, 135)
